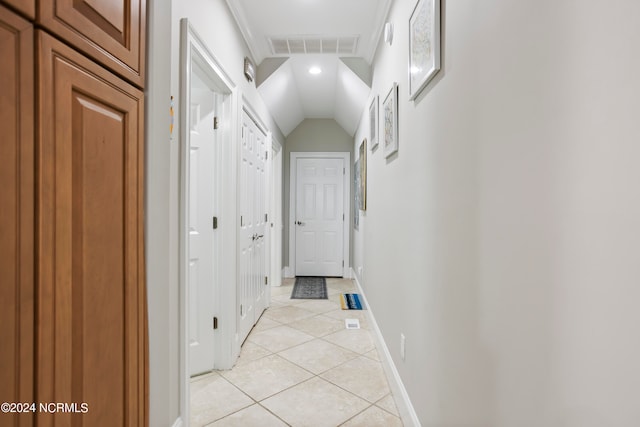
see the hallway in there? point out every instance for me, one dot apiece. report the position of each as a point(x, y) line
point(299, 364)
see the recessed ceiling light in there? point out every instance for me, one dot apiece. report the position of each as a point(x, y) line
point(315, 70)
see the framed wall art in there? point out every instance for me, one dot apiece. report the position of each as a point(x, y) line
point(373, 122)
point(390, 115)
point(424, 45)
point(356, 194)
point(363, 175)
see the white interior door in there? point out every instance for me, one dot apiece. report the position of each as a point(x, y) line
point(253, 219)
point(319, 216)
point(200, 231)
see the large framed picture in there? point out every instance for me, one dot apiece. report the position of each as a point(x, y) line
point(424, 45)
point(373, 122)
point(363, 175)
point(390, 113)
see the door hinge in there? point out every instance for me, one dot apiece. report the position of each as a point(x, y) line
point(215, 323)
point(266, 155)
point(215, 123)
point(240, 310)
point(266, 280)
point(266, 217)
point(215, 222)
point(343, 217)
point(240, 220)
point(344, 172)
point(343, 263)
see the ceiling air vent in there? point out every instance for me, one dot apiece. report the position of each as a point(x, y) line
point(292, 45)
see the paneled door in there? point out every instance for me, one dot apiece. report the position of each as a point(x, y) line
point(91, 311)
point(319, 216)
point(253, 226)
point(201, 279)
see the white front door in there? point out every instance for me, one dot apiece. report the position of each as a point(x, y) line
point(200, 213)
point(253, 219)
point(319, 217)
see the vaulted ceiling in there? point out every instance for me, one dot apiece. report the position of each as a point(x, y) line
point(287, 38)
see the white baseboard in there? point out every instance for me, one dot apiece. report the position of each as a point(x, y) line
point(178, 422)
point(286, 272)
point(405, 408)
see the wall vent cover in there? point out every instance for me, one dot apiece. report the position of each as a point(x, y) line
point(296, 45)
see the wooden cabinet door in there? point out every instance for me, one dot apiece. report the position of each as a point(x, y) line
point(26, 7)
point(91, 344)
point(110, 31)
point(16, 215)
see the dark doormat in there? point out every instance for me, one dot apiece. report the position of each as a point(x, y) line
point(310, 288)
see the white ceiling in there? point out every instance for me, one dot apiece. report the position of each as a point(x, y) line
point(291, 93)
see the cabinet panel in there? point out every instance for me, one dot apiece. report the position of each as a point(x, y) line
point(91, 311)
point(110, 31)
point(26, 7)
point(16, 215)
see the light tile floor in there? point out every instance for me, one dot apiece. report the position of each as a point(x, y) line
point(300, 367)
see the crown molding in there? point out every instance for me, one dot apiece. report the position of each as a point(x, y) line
point(241, 21)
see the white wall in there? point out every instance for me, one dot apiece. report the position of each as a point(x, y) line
point(319, 135)
point(516, 201)
point(161, 253)
point(217, 27)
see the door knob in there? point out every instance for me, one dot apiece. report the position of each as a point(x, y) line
point(299, 222)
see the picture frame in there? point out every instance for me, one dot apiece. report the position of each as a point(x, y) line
point(363, 175)
point(390, 115)
point(424, 45)
point(356, 194)
point(373, 123)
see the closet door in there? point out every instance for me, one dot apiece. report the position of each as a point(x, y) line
point(110, 31)
point(16, 215)
point(91, 344)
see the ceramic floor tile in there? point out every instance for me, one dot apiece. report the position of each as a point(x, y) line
point(265, 323)
point(254, 415)
point(281, 290)
point(279, 338)
point(315, 403)
point(213, 398)
point(388, 403)
point(318, 306)
point(361, 376)
point(266, 376)
point(373, 355)
point(318, 355)
point(373, 416)
point(318, 326)
point(357, 340)
point(251, 351)
point(287, 313)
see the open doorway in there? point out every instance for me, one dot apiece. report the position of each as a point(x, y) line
point(208, 117)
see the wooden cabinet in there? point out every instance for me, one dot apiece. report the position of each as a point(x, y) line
point(73, 319)
point(90, 289)
point(16, 214)
point(25, 7)
point(110, 31)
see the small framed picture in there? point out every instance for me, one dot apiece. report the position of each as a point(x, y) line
point(390, 113)
point(363, 175)
point(373, 122)
point(424, 45)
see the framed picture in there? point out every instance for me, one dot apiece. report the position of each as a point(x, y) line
point(363, 175)
point(356, 194)
point(424, 45)
point(373, 122)
point(390, 112)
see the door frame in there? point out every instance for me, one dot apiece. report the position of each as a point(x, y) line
point(191, 44)
point(346, 158)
